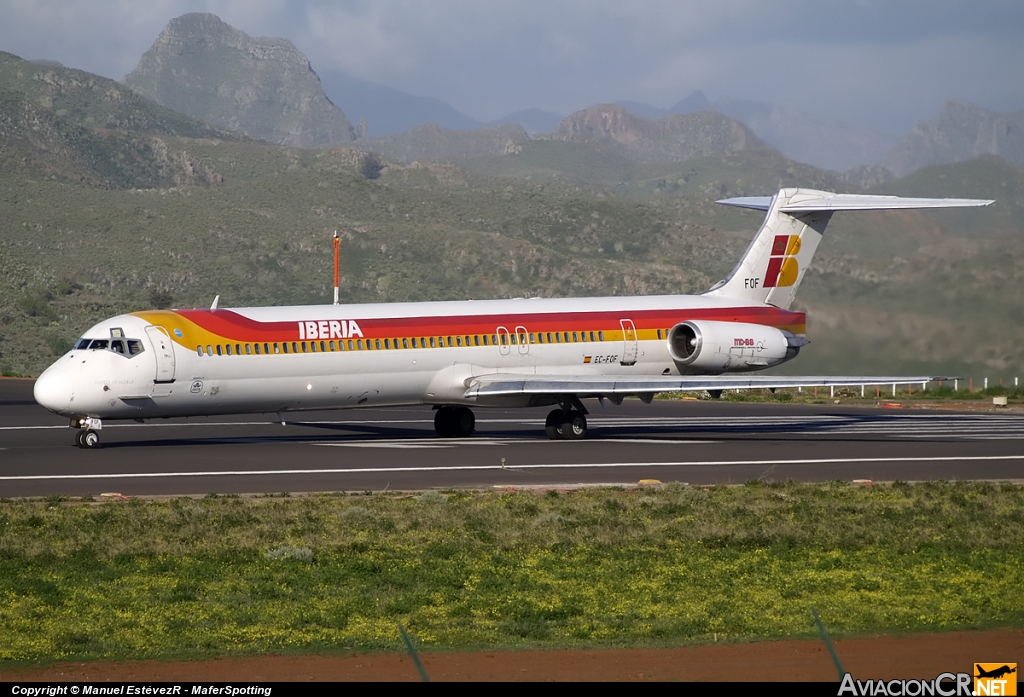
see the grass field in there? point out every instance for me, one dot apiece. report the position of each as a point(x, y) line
point(651, 566)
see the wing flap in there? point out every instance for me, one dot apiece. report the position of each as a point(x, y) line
point(583, 385)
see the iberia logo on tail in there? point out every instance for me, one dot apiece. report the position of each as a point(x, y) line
point(782, 266)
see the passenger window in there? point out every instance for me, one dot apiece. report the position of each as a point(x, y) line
point(450, 344)
point(238, 349)
point(485, 339)
point(359, 343)
point(248, 349)
point(414, 342)
point(540, 337)
point(323, 346)
point(312, 346)
point(600, 336)
point(558, 338)
point(494, 339)
point(199, 350)
point(405, 343)
point(566, 335)
point(304, 350)
point(257, 347)
point(295, 348)
point(522, 338)
point(532, 338)
point(284, 346)
point(575, 337)
point(549, 336)
point(504, 339)
point(476, 339)
point(227, 349)
point(376, 344)
point(277, 347)
point(387, 343)
point(468, 341)
point(350, 344)
point(458, 340)
point(591, 336)
point(340, 343)
point(209, 350)
point(220, 352)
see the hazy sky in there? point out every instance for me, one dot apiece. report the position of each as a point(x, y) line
point(878, 63)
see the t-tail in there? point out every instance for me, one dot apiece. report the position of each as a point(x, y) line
point(780, 253)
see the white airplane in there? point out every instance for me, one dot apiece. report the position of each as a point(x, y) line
point(454, 355)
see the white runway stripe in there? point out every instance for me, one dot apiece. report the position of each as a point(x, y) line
point(513, 466)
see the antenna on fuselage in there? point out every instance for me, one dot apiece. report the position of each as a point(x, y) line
point(337, 259)
point(216, 302)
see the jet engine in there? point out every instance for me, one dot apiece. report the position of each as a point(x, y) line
point(704, 346)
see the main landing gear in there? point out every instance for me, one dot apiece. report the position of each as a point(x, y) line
point(87, 437)
point(454, 422)
point(566, 425)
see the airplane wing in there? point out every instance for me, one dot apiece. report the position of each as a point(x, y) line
point(610, 385)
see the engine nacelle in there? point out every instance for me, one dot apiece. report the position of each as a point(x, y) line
point(704, 346)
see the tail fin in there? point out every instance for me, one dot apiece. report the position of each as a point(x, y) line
point(775, 262)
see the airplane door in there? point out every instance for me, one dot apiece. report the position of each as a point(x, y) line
point(164, 351)
point(504, 343)
point(629, 343)
point(524, 341)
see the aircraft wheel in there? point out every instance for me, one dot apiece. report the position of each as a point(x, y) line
point(574, 427)
point(78, 438)
point(90, 439)
point(553, 424)
point(463, 422)
point(444, 424)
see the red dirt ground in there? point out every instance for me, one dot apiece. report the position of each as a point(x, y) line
point(917, 656)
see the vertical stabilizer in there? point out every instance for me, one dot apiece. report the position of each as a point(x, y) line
point(780, 253)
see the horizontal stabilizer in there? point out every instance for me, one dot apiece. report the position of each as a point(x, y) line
point(606, 385)
point(807, 201)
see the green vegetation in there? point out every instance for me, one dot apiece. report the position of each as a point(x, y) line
point(110, 203)
point(665, 565)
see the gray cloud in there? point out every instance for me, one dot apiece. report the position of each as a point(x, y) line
point(874, 62)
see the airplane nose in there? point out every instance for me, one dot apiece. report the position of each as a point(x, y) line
point(54, 390)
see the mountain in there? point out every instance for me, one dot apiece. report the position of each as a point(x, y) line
point(786, 128)
point(695, 101)
point(535, 121)
point(64, 124)
point(432, 142)
point(960, 131)
point(264, 88)
point(388, 111)
point(666, 139)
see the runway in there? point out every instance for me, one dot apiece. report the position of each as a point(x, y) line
point(375, 449)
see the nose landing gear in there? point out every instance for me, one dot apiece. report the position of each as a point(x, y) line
point(87, 437)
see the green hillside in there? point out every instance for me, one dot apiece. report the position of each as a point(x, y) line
point(99, 220)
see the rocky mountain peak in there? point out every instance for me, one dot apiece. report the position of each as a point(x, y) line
point(262, 87)
point(668, 138)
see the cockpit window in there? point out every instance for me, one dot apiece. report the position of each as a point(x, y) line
point(123, 347)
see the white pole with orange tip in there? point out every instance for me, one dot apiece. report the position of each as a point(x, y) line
point(337, 261)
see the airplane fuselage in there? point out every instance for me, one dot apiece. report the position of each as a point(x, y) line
point(272, 359)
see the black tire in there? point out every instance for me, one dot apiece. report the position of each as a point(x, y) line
point(553, 424)
point(90, 439)
point(463, 422)
point(575, 426)
point(444, 424)
point(78, 439)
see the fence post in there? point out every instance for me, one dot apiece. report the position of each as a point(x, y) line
point(894, 389)
point(831, 390)
point(986, 383)
point(862, 391)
